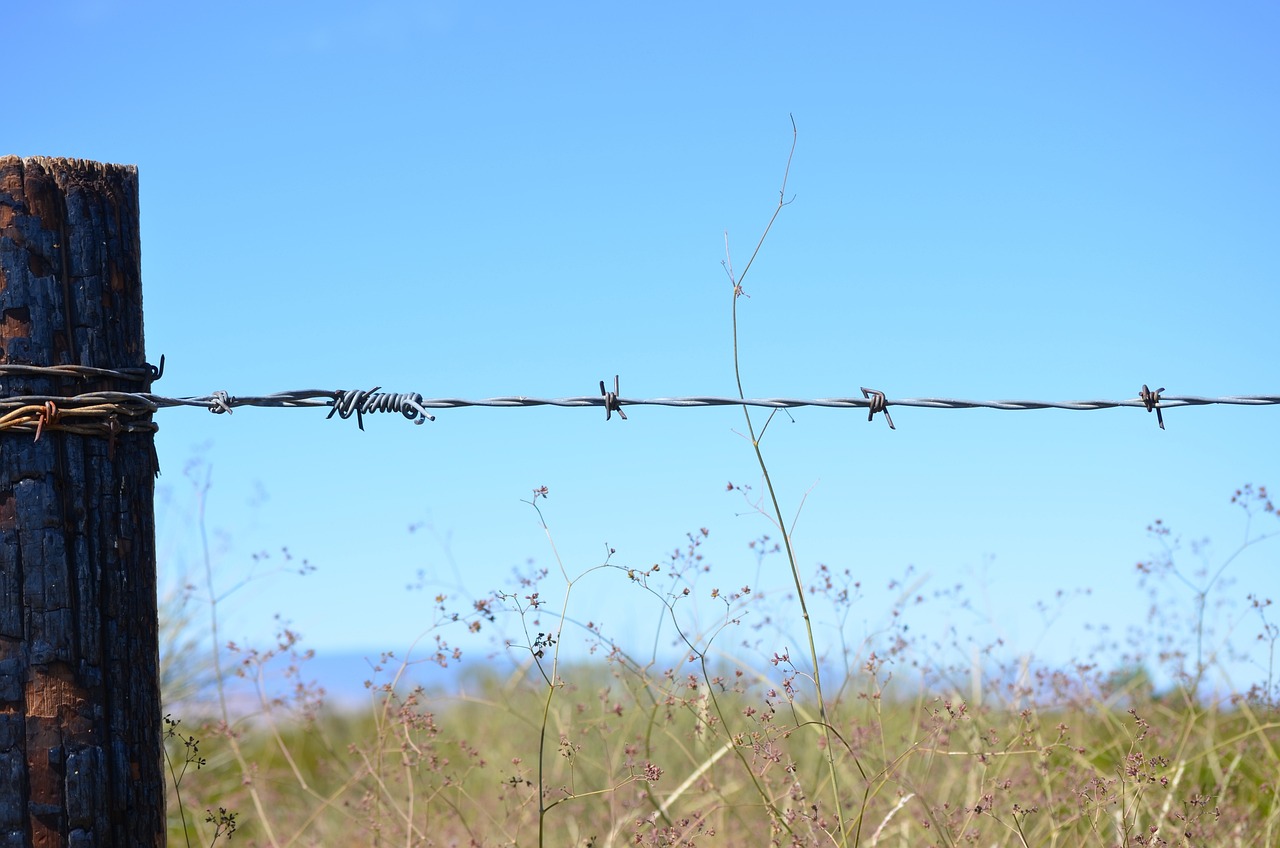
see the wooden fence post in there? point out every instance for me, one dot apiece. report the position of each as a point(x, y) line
point(80, 734)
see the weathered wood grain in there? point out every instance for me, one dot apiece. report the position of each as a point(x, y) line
point(80, 730)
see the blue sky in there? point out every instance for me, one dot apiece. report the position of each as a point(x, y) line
point(991, 200)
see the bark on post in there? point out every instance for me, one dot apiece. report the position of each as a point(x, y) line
point(80, 735)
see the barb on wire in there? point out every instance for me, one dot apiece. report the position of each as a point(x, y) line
point(611, 402)
point(1151, 400)
point(358, 401)
point(876, 403)
point(47, 417)
point(222, 402)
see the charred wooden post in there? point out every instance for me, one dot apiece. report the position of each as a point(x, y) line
point(80, 730)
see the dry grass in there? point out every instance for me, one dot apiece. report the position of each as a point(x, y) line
point(706, 749)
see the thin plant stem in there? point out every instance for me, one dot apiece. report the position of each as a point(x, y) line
point(177, 785)
point(773, 496)
point(217, 664)
point(553, 680)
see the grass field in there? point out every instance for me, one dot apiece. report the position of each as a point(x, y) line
point(618, 754)
point(706, 749)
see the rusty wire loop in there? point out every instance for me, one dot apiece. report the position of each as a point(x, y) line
point(47, 417)
point(89, 414)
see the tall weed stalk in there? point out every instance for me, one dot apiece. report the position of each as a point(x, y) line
point(828, 731)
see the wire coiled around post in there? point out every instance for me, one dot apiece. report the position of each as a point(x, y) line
point(347, 402)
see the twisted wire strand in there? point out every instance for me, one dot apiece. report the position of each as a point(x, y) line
point(413, 406)
point(112, 412)
point(146, 374)
point(99, 413)
point(1166, 402)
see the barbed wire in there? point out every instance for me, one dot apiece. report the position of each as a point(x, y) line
point(113, 412)
point(146, 374)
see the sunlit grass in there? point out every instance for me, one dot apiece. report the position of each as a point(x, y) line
point(1105, 768)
